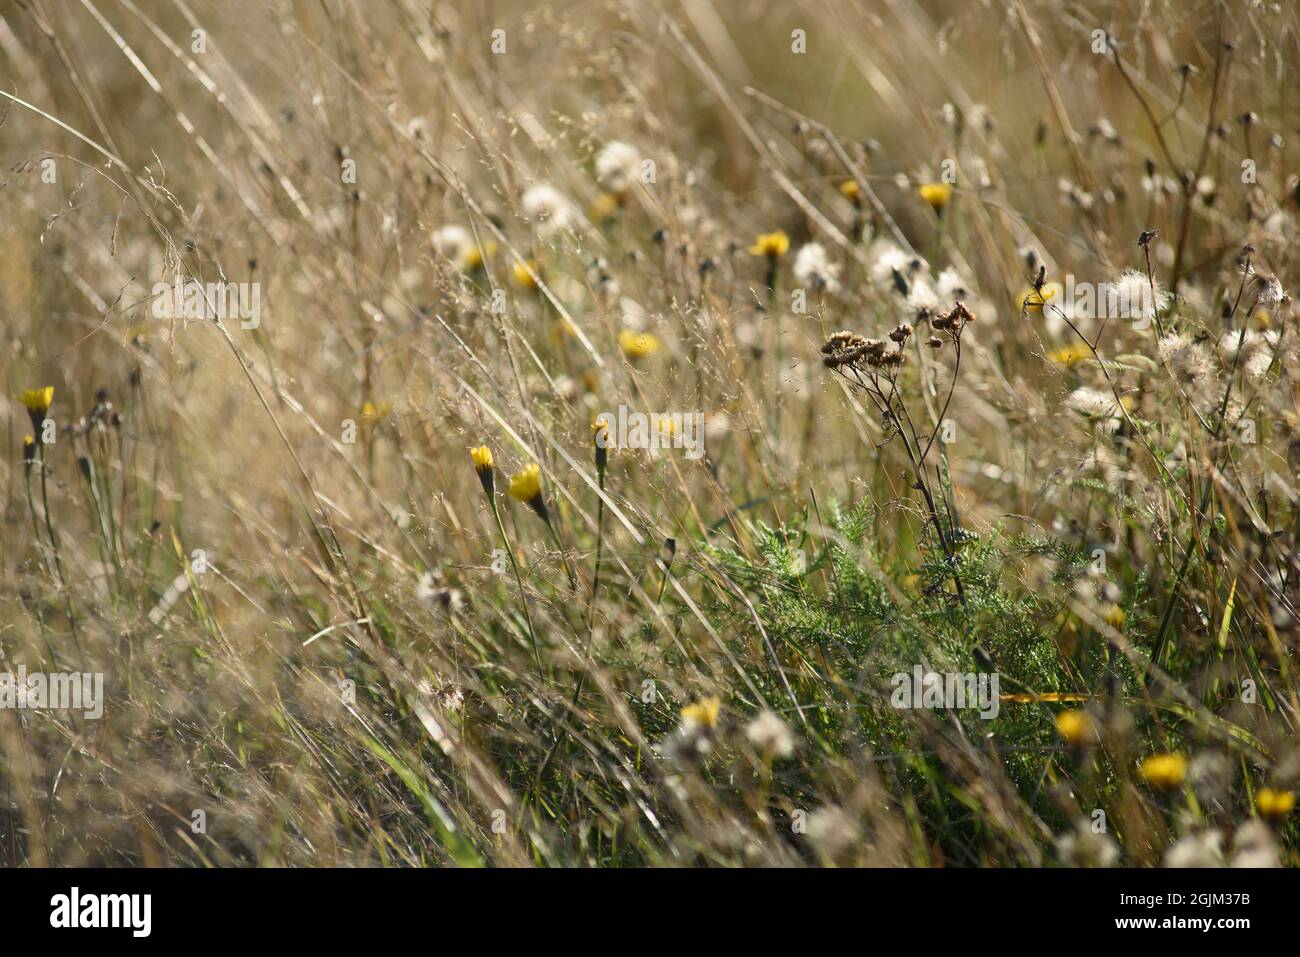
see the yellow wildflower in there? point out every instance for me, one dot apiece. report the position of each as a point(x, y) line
point(703, 714)
point(475, 255)
point(38, 400)
point(482, 458)
point(1274, 804)
point(522, 273)
point(1032, 301)
point(1074, 726)
point(850, 190)
point(603, 207)
point(526, 485)
point(771, 245)
point(1113, 615)
point(637, 345)
point(936, 194)
point(37, 403)
point(1070, 356)
point(1164, 771)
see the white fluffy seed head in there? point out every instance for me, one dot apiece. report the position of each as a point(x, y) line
point(616, 165)
point(812, 267)
point(549, 210)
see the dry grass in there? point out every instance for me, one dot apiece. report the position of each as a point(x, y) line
point(273, 544)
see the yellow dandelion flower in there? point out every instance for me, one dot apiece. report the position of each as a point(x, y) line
point(29, 450)
point(637, 345)
point(850, 190)
point(522, 273)
point(1032, 301)
point(1164, 771)
point(482, 459)
point(702, 714)
point(937, 195)
point(526, 485)
point(37, 402)
point(1074, 726)
point(603, 207)
point(1274, 804)
point(1113, 615)
point(475, 256)
point(1070, 356)
point(771, 245)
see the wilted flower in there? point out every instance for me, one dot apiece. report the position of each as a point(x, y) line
point(451, 697)
point(1267, 289)
point(600, 441)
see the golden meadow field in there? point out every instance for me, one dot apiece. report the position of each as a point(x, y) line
point(614, 433)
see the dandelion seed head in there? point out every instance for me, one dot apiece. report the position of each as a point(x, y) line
point(770, 735)
point(812, 267)
point(617, 164)
point(547, 208)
